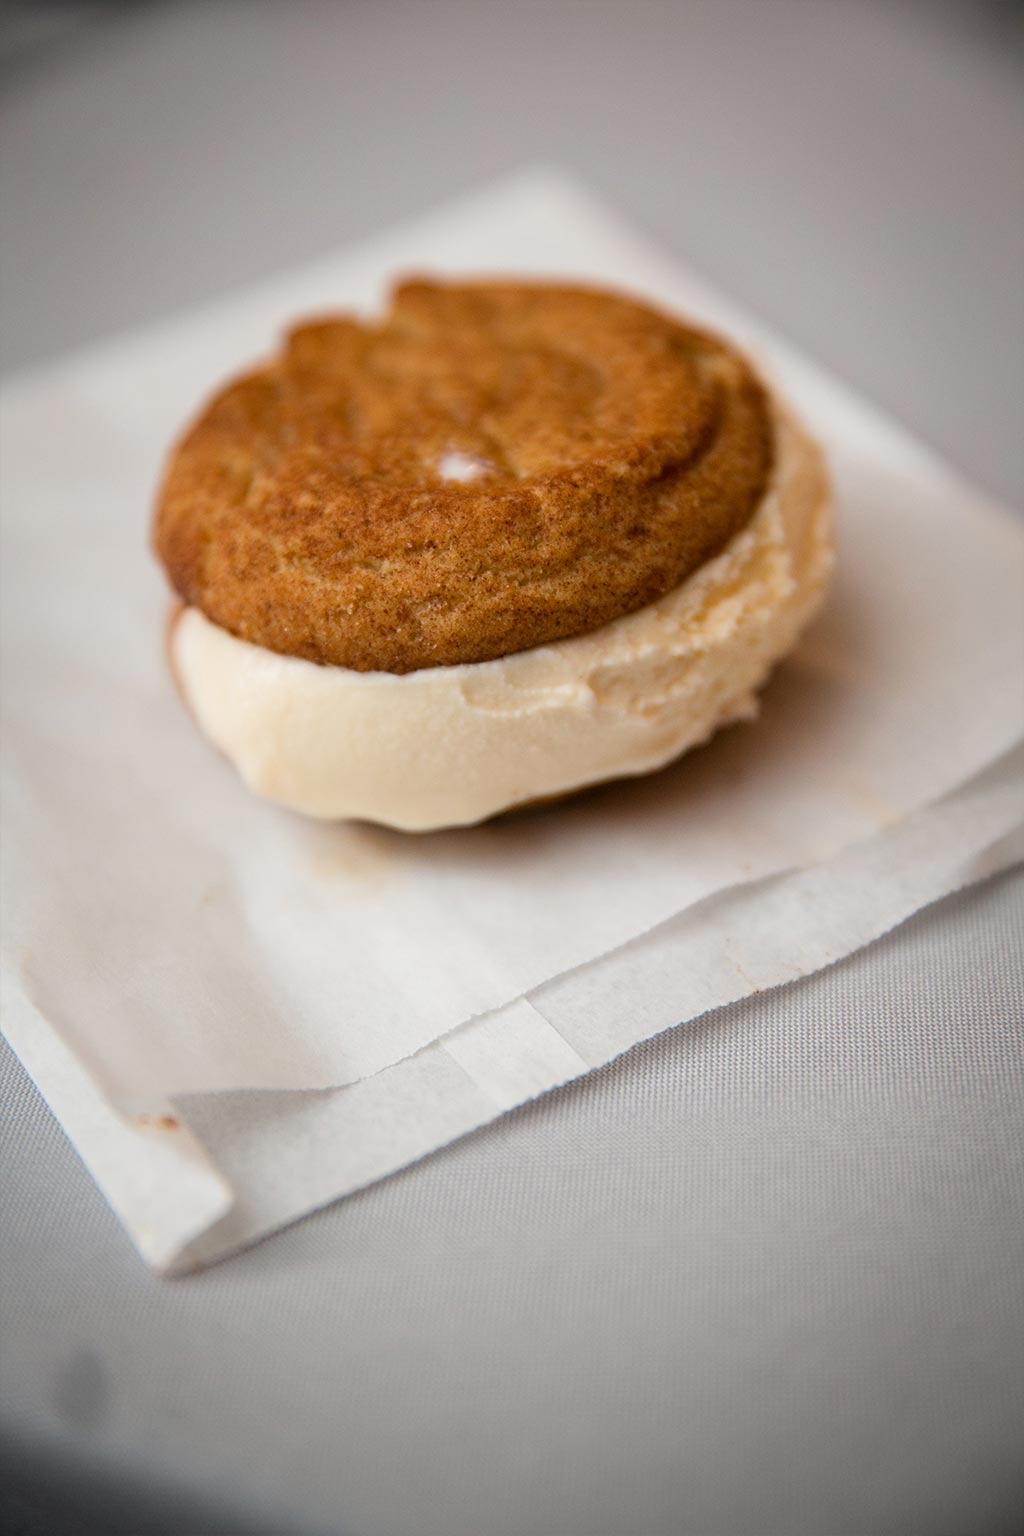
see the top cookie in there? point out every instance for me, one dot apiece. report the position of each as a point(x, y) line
point(490, 468)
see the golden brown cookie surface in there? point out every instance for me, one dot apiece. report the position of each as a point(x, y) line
point(490, 468)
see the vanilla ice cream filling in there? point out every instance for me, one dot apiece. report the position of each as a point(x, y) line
point(449, 746)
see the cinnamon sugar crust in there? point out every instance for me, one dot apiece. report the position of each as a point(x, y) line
point(489, 468)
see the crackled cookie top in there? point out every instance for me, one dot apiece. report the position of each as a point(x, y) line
point(489, 468)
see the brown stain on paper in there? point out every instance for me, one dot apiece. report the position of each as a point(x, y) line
point(356, 853)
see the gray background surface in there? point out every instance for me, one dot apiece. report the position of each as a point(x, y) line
point(763, 1275)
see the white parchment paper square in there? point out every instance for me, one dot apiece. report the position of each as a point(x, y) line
point(167, 937)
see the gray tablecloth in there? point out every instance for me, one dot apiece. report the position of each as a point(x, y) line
point(764, 1274)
